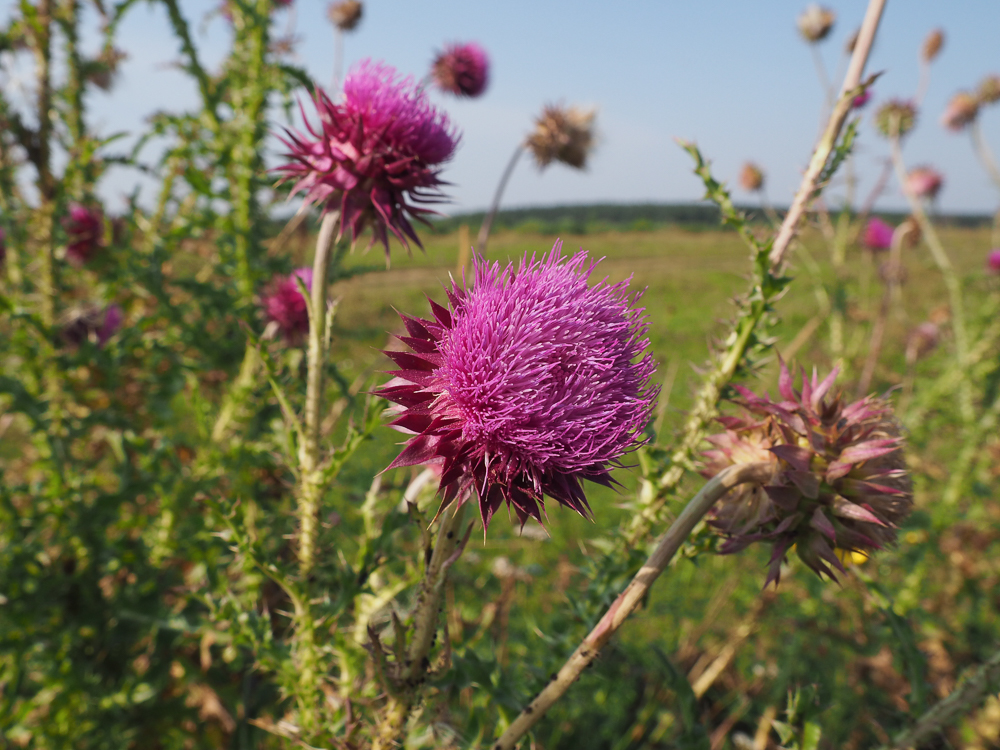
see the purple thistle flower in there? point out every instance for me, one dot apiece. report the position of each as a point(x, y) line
point(993, 260)
point(285, 305)
point(862, 99)
point(373, 156)
point(877, 234)
point(924, 182)
point(92, 324)
point(462, 70)
point(530, 383)
point(85, 230)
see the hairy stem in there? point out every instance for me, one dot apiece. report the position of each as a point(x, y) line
point(951, 282)
point(631, 597)
point(484, 230)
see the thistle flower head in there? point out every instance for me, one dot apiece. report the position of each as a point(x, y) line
point(924, 182)
point(374, 156)
point(462, 69)
point(932, 45)
point(91, 323)
point(751, 177)
point(815, 23)
point(862, 99)
point(877, 234)
point(563, 134)
point(530, 383)
point(284, 304)
point(838, 477)
point(960, 112)
point(993, 260)
point(345, 15)
point(896, 118)
point(84, 232)
point(989, 89)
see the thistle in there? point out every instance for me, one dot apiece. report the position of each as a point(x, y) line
point(751, 177)
point(961, 111)
point(530, 383)
point(462, 70)
point(862, 99)
point(815, 23)
point(895, 118)
point(92, 324)
point(932, 45)
point(345, 15)
point(284, 304)
point(924, 182)
point(989, 89)
point(85, 232)
point(877, 235)
point(374, 156)
point(839, 479)
point(562, 134)
point(993, 261)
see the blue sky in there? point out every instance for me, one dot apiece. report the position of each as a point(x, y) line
point(734, 76)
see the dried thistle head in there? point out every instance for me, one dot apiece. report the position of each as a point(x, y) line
point(989, 89)
point(345, 15)
point(563, 134)
point(838, 481)
point(961, 111)
point(815, 23)
point(924, 182)
point(896, 117)
point(751, 177)
point(932, 45)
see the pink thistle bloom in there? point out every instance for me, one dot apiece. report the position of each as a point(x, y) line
point(924, 182)
point(530, 383)
point(993, 260)
point(85, 231)
point(877, 234)
point(373, 156)
point(92, 324)
point(960, 112)
point(862, 99)
point(462, 70)
point(285, 305)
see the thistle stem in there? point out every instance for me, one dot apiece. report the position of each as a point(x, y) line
point(882, 317)
point(631, 597)
point(484, 230)
point(983, 151)
point(951, 282)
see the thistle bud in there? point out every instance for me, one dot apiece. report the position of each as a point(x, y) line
point(751, 177)
point(462, 70)
point(896, 118)
point(921, 341)
point(862, 99)
point(989, 89)
point(815, 23)
point(345, 15)
point(961, 110)
point(838, 477)
point(993, 261)
point(85, 232)
point(562, 134)
point(877, 235)
point(284, 304)
point(932, 45)
point(924, 182)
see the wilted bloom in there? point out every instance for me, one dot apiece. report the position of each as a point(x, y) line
point(932, 45)
point(91, 324)
point(284, 304)
point(924, 182)
point(562, 134)
point(751, 177)
point(896, 117)
point(877, 234)
point(989, 89)
point(530, 383)
point(862, 99)
point(993, 260)
point(85, 232)
point(462, 69)
point(838, 479)
point(961, 110)
point(345, 15)
point(816, 22)
point(373, 156)
point(922, 340)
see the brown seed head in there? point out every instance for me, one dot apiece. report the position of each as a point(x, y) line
point(345, 15)
point(989, 89)
point(838, 482)
point(562, 134)
point(815, 23)
point(932, 45)
point(751, 177)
